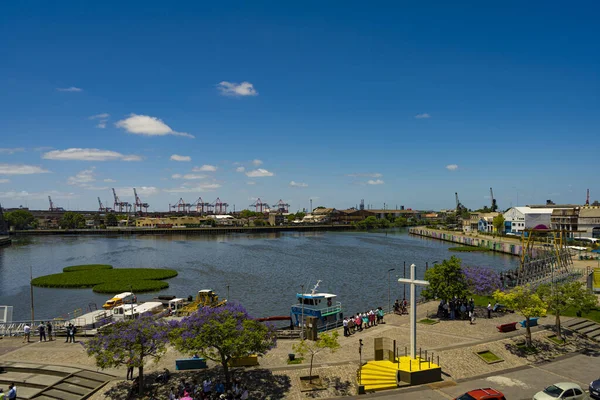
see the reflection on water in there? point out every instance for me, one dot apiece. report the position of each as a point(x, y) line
point(263, 271)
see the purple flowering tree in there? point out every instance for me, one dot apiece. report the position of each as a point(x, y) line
point(130, 343)
point(482, 281)
point(222, 333)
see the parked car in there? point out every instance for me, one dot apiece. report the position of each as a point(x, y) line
point(482, 394)
point(595, 389)
point(562, 390)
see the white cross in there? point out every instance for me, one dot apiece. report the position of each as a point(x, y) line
point(413, 308)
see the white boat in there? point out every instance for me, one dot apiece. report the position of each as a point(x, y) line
point(119, 299)
point(133, 311)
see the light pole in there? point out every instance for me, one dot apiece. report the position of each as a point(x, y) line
point(404, 284)
point(227, 292)
point(360, 345)
point(389, 290)
point(302, 318)
point(132, 299)
point(31, 293)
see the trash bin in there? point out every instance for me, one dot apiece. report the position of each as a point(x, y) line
point(291, 356)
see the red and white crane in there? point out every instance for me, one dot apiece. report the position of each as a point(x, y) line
point(139, 206)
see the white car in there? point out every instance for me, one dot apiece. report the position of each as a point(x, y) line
point(562, 390)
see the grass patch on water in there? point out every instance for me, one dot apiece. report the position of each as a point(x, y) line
point(489, 357)
point(88, 267)
point(108, 280)
point(467, 249)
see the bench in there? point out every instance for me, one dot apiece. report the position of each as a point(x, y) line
point(190, 363)
point(532, 322)
point(247, 361)
point(511, 326)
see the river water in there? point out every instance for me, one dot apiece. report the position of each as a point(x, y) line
point(263, 271)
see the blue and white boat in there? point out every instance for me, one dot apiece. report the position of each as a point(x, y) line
point(323, 306)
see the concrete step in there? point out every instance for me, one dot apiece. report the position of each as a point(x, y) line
point(86, 383)
point(583, 325)
point(24, 392)
point(590, 329)
point(75, 389)
point(61, 394)
point(574, 322)
point(95, 376)
point(376, 388)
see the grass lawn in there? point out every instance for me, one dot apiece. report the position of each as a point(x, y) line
point(298, 360)
point(526, 349)
point(489, 357)
point(428, 321)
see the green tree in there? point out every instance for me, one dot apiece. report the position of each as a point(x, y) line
point(111, 220)
point(498, 223)
point(260, 222)
point(446, 281)
point(248, 214)
point(565, 296)
point(19, 219)
point(400, 222)
point(129, 343)
point(222, 333)
point(524, 300)
point(327, 341)
point(72, 220)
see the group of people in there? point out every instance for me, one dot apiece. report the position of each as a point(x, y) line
point(45, 333)
point(207, 390)
point(401, 308)
point(458, 309)
point(360, 321)
point(11, 394)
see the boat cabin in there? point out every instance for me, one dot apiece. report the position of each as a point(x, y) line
point(175, 305)
point(323, 306)
point(117, 300)
point(133, 311)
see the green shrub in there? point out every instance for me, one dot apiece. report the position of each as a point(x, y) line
point(105, 279)
point(469, 249)
point(87, 267)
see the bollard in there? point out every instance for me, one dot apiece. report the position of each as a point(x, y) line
point(405, 351)
point(426, 354)
point(410, 365)
point(429, 365)
point(432, 356)
point(419, 352)
point(438, 361)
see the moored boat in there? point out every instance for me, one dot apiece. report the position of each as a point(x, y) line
point(323, 306)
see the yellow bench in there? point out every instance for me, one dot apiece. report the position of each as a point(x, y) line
point(247, 361)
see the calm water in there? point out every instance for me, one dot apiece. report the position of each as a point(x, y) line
point(263, 271)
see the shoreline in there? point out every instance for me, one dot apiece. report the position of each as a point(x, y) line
point(190, 231)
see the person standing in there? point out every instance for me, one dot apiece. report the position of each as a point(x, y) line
point(12, 392)
point(49, 330)
point(489, 308)
point(27, 333)
point(42, 331)
point(346, 330)
point(1, 394)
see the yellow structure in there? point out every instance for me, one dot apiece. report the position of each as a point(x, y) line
point(596, 280)
point(146, 222)
point(204, 298)
point(385, 374)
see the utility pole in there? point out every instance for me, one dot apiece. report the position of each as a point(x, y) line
point(389, 290)
point(302, 318)
point(31, 293)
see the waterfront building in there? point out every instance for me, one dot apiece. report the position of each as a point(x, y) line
point(589, 222)
point(486, 222)
point(566, 219)
point(517, 219)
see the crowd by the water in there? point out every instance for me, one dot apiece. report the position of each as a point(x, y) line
point(207, 390)
point(371, 318)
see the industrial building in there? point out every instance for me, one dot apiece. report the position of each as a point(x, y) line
point(517, 219)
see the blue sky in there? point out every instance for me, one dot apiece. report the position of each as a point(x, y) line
point(402, 103)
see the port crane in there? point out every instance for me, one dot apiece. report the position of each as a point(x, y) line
point(220, 207)
point(494, 203)
point(281, 207)
point(181, 206)
point(121, 205)
point(53, 207)
point(101, 207)
point(587, 198)
point(259, 206)
point(139, 206)
point(202, 207)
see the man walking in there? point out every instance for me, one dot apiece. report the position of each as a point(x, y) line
point(27, 333)
point(346, 330)
point(49, 330)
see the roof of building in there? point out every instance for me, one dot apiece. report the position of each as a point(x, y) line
point(589, 212)
point(323, 210)
point(531, 210)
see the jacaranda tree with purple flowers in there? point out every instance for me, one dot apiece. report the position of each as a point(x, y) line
point(482, 281)
point(222, 333)
point(130, 343)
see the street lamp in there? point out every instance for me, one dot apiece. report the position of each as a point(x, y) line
point(31, 292)
point(404, 284)
point(389, 290)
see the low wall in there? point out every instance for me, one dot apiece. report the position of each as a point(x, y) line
point(496, 245)
point(4, 241)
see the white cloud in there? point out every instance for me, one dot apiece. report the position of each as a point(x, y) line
point(4, 180)
point(177, 157)
point(237, 89)
point(259, 173)
point(240, 169)
point(451, 167)
point(70, 89)
point(148, 126)
point(101, 125)
point(88, 155)
point(82, 178)
point(367, 175)
point(375, 182)
point(251, 183)
point(257, 162)
point(422, 116)
point(205, 168)
point(203, 187)
point(108, 180)
point(11, 151)
point(188, 176)
point(147, 190)
point(100, 116)
point(22, 195)
point(21, 169)
point(298, 184)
